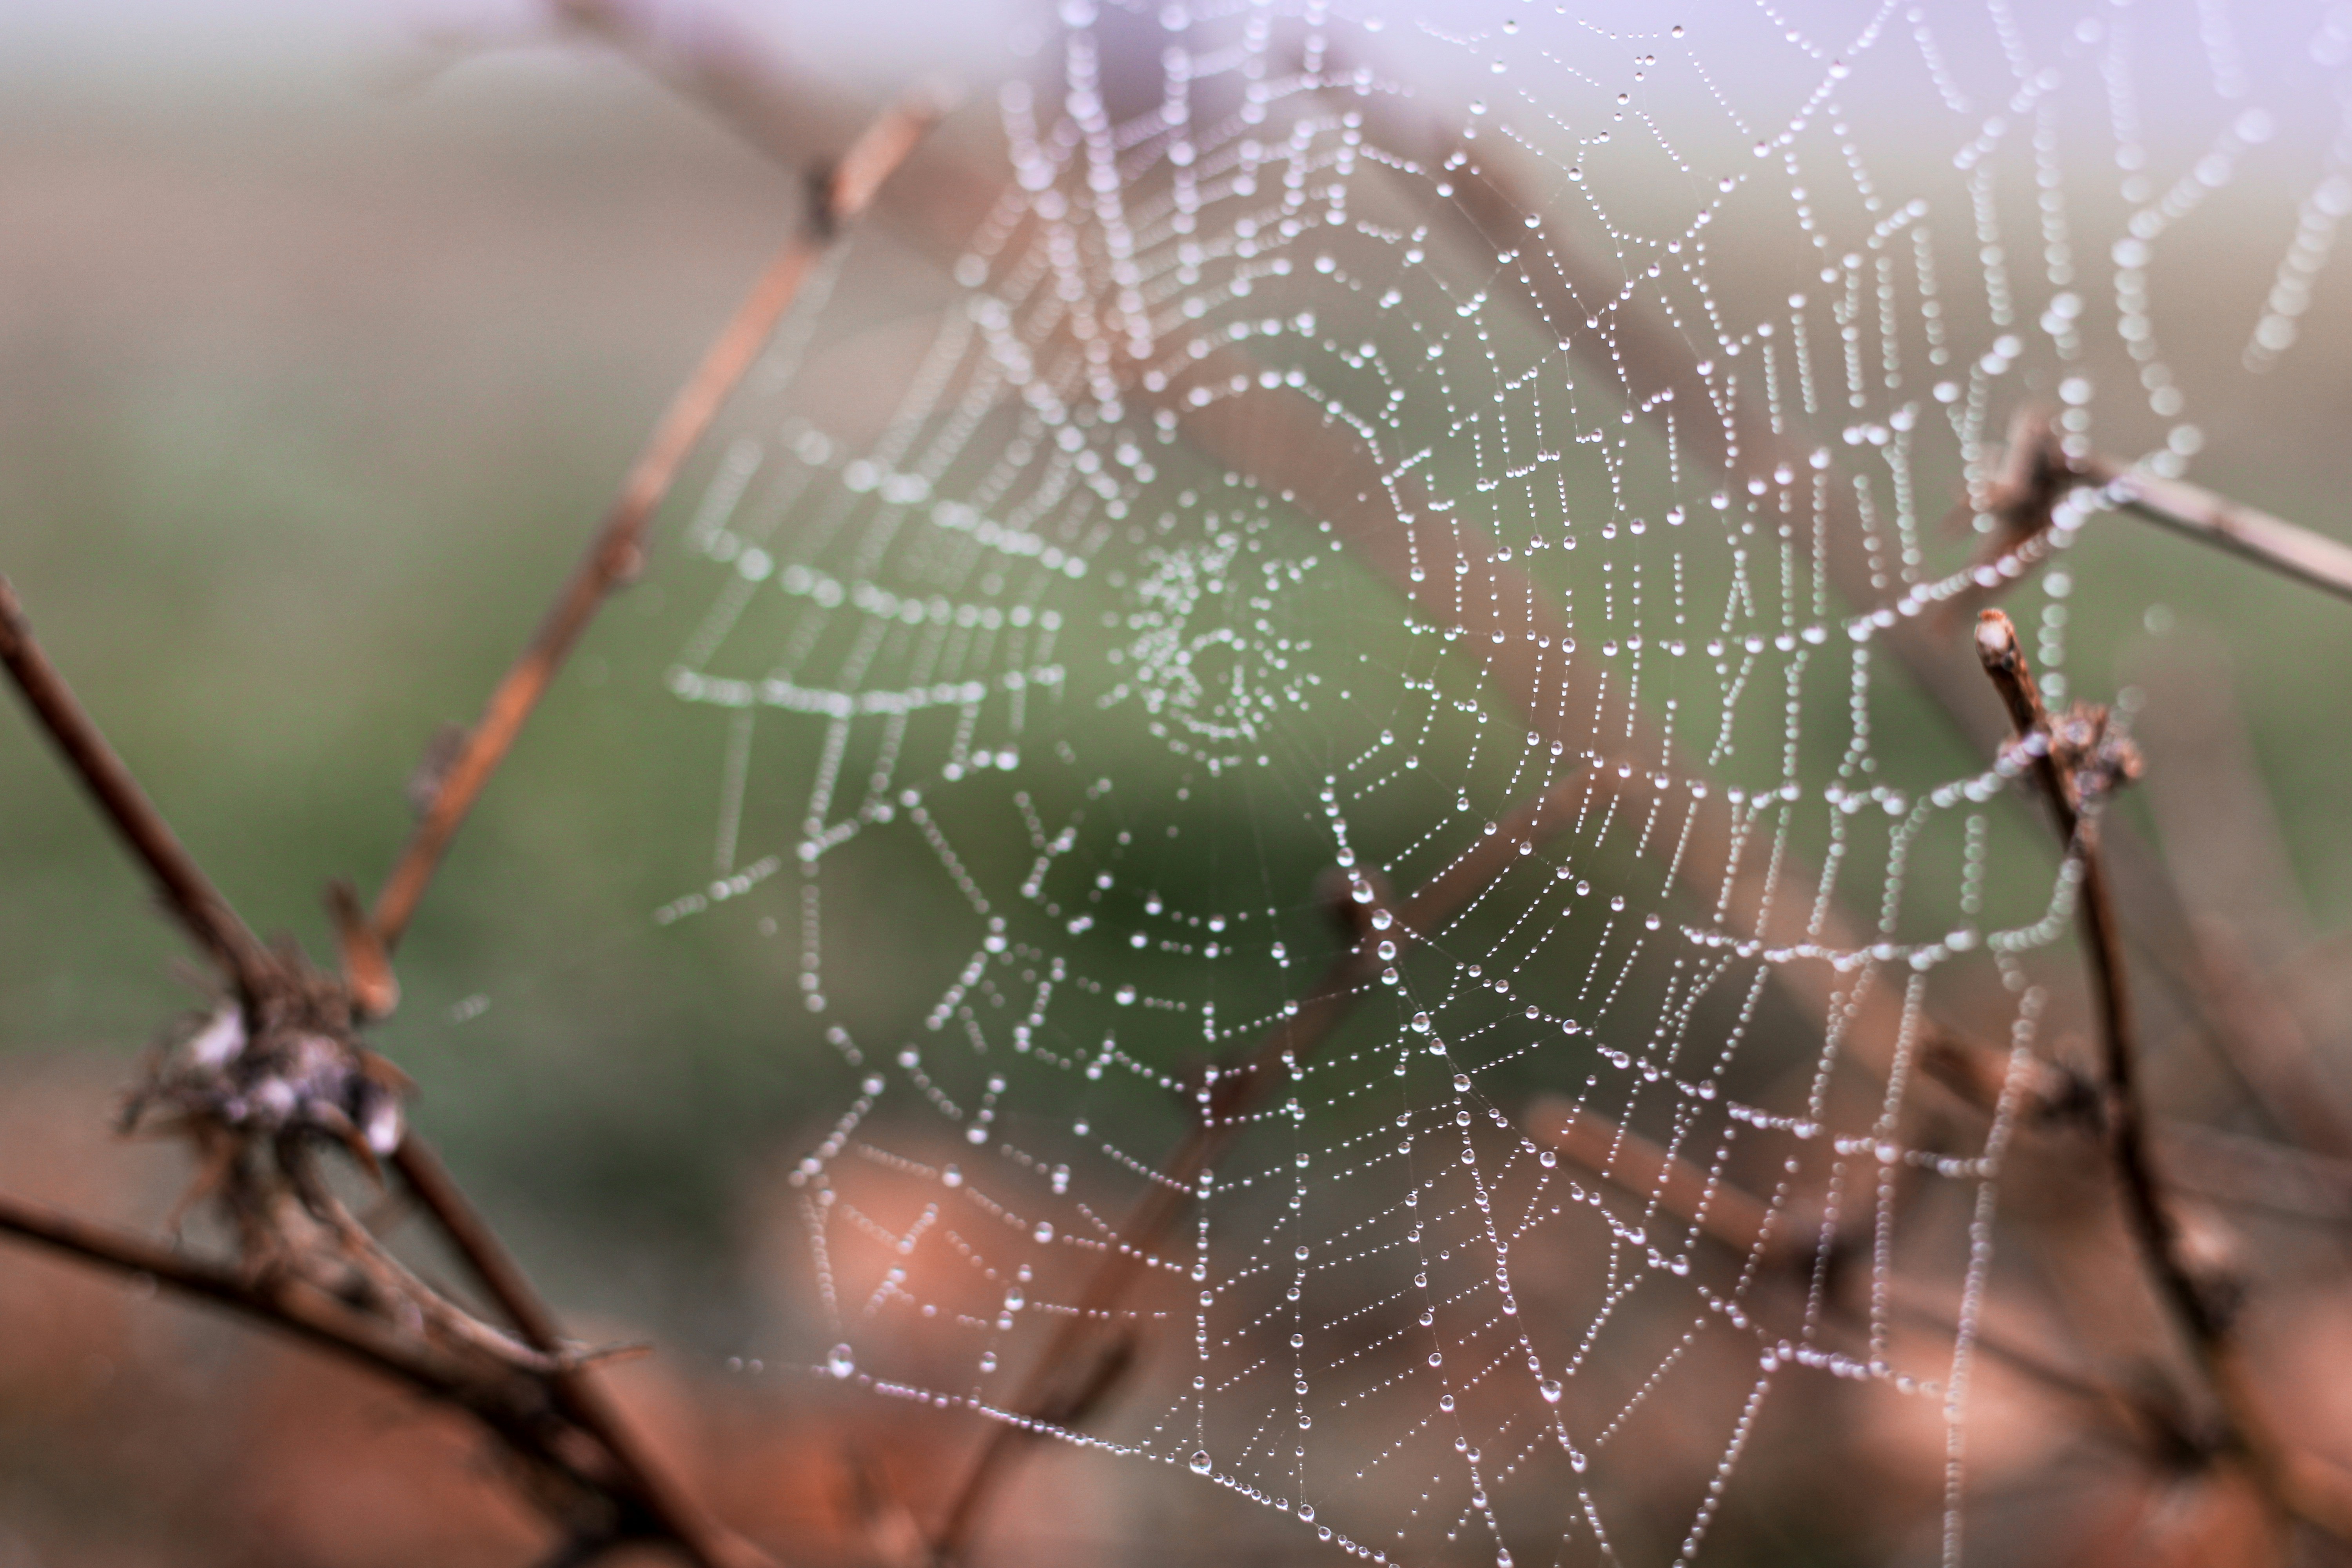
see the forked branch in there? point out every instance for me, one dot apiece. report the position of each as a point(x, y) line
point(2075, 762)
point(540, 1401)
point(574, 1388)
point(539, 1411)
point(2036, 474)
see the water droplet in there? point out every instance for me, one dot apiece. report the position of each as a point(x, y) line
point(1549, 1389)
point(1044, 1232)
point(841, 1362)
point(1200, 1461)
point(1126, 995)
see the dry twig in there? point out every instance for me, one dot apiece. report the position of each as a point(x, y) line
point(2292, 551)
point(616, 555)
point(188, 892)
point(1696, 1196)
point(507, 1407)
point(2076, 762)
point(2035, 474)
point(2254, 1039)
point(256, 1086)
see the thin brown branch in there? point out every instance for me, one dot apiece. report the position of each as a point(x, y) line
point(526, 1422)
point(262, 979)
point(2068, 781)
point(611, 559)
point(617, 553)
point(265, 982)
point(544, 1404)
point(505, 1405)
point(189, 894)
point(398, 1288)
point(573, 1385)
point(2252, 1037)
point(1691, 1194)
point(2035, 473)
point(2292, 551)
point(352, 1335)
point(2004, 662)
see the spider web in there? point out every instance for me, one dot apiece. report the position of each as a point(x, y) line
point(1324, 697)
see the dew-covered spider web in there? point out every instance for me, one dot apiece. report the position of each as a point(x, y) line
point(1327, 704)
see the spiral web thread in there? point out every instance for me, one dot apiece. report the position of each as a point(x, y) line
point(1312, 484)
